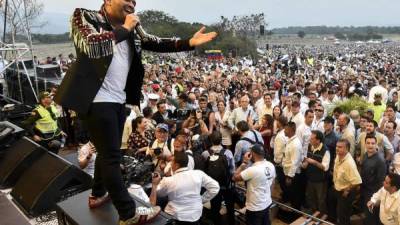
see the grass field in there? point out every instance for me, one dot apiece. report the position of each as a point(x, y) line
point(53, 50)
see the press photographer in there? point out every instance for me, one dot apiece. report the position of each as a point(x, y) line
point(160, 151)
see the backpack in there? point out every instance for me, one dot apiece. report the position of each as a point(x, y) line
point(218, 169)
point(199, 163)
point(251, 141)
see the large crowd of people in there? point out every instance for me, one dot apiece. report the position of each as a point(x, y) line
point(241, 121)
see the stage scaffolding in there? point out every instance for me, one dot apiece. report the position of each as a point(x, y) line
point(13, 54)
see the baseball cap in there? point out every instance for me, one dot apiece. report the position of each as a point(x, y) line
point(163, 126)
point(258, 149)
point(44, 94)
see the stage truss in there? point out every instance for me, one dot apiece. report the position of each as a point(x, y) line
point(16, 52)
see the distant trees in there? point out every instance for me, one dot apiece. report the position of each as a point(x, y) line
point(333, 30)
point(234, 35)
point(247, 25)
point(358, 36)
point(21, 12)
point(51, 38)
point(301, 34)
point(340, 36)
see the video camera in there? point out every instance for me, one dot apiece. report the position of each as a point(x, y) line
point(138, 171)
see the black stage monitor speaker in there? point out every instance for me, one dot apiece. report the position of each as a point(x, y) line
point(262, 30)
point(18, 158)
point(49, 180)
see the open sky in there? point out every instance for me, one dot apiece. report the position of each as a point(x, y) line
point(279, 13)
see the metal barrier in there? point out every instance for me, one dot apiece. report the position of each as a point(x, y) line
point(310, 217)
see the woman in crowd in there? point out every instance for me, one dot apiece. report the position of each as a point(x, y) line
point(221, 118)
point(266, 129)
point(287, 110)
point(276, 113)
point(140, 138)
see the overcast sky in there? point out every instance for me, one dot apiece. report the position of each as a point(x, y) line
point(279, 13)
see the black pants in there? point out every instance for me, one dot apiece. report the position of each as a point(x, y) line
point(227, 196)
point(316, 196)
point(295, 192)
point(282, 183)
point(106, 123)
point(343, 205)
point(258, 217)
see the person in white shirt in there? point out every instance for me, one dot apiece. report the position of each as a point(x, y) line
point(161, 149)
point(183, 191)
point(279, 143)
point(221, 119)
point(291, 164)
point(303, 131)
point(389, 115)
point(318, 123)
point(345, 132)
point(87, 157)
point(296, 97)
point(244, 112)
point(388, 199)
point(259, 177)
point(297, 116)
point(266, 107)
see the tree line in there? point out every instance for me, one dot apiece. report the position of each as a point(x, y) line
point(321, 30)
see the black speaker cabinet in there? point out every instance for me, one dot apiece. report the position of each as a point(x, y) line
point(17, 159)
point(49, 180)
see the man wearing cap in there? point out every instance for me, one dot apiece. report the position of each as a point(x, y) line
point(42, 124)
point(259, 178)
point(161, 149)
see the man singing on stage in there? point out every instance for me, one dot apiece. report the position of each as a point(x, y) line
point(107, 74)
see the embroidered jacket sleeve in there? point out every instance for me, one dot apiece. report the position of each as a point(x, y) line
point(91, 40)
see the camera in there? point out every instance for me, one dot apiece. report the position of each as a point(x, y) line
point(136, 171)
point(157, 151)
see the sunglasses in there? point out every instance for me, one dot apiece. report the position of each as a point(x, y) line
point(319, 110)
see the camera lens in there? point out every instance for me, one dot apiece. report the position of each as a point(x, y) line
point(157, 151)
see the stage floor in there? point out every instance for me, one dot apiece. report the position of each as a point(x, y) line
point(75, 210)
